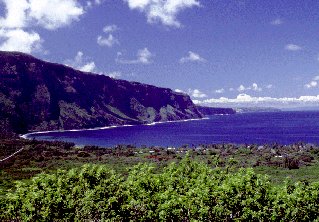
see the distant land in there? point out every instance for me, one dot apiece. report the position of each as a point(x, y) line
point(37, 96)
point(206, 111)
point(256, 109)
point(307, 108)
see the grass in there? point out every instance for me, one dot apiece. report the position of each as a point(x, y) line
point(278, 175)
point(297, 162)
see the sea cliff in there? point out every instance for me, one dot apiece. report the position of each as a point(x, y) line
point(36, 95)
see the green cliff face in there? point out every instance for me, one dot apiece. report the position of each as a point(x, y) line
point(38, 95)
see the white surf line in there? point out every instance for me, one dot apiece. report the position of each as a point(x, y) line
point(174, 121)
point(12, 154)
point(27, 135)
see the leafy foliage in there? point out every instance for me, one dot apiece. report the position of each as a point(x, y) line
point(185, 191)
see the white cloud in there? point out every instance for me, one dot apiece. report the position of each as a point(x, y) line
point(269, 86)
point(53, 14)
point(107, 41)
point(144, 56)
point(20, 40)
point(110, 28)
point(196, 101)
point(196, 93)
point(253, 87)
point(81, 63)
point(293, 47)
point(164, 11)
point(110, 40)
point(192, 57)
point(247, 100)
point(241, 88)
point(15, 14)
point(114, 74)
point(50, 14)
point(312, 84)
point(91, 3)
point(222, 90)
point(23, 14)
point(89, 67)
point(179, 91)
point(277, 21)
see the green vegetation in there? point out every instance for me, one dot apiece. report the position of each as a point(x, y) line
point(186, 191)
point(56, 181)
point(298, 162)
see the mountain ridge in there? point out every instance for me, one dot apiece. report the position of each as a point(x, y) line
point(36, 95)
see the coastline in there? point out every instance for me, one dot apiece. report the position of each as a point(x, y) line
point(26, 136)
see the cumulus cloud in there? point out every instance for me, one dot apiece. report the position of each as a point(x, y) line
point(222, 90)
point(247, 100)
point(89, 67)
point(81, 63)
point(313, 83)
point(20, 40)
point(50, 14)
point(277, 21)
point(164, 11)
point(115, 75)
point(293, 47)
point(253, 87)
point(110, 28)
point(21, 15)
point(53, 14)
point(241, 88)
point(179, 91)
point(110, 40)
point(15, 14)
point(196, 93)
point(107, 41)
point(91, 3)
point(144, 56)
point(192, 57)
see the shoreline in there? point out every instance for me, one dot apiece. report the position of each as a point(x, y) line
point(26, 136)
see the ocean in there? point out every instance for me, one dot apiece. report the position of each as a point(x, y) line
point(242, 128)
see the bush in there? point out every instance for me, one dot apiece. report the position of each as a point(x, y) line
point(91, 192)
point(186, 191)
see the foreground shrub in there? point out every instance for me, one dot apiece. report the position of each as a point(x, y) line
point(91, 192)
point(186, 191)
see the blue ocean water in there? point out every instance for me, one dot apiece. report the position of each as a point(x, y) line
point(251, 128)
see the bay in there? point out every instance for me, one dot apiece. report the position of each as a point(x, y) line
point(241, 128)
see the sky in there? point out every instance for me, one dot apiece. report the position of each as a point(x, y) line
point(225, 53)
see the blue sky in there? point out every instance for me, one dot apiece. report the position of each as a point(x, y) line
point(220, 52)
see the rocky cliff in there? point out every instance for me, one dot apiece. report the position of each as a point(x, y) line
point(36, 95)
point(207, 111)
